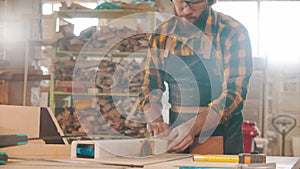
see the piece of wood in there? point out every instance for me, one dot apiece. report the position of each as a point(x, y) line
point(39, 150)
point(141, 6)
point(25, 73)
point(44, 89)
point(158, 159)
point(213, 145)
point(24, 120)
point(70, 84)
point(28, 120)
point(4, 92)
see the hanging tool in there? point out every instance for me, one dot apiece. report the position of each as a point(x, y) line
point(283, 124)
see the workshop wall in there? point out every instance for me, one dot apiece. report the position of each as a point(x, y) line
point(21, 25)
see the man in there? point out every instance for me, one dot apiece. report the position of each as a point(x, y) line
point(205, 57)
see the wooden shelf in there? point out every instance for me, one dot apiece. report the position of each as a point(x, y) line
point(97, 94)
point(95, 13)
point(100, 54)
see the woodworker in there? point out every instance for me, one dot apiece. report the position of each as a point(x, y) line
point(205, 59)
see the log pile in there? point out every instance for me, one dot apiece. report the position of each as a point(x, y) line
point(122, 77)
point(101, 116)
point(127, 74)
point(106, 39)
point(117, 77)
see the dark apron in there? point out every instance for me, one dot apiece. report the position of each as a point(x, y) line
point(192, 84)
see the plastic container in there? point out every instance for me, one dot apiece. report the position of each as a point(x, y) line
point(250, 131)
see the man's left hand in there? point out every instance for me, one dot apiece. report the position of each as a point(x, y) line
point(182, 136)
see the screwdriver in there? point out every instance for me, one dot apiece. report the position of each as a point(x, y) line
point(7, 140)
point(11, 140)
point(3, 157)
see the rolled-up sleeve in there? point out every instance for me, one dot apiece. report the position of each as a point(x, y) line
point(237, 72)
point(153, 85)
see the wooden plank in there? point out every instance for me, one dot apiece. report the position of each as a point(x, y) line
point(213, 145)
point(158, 159)
point(27, 120)
point(70, 84)
point(4, 92)
point(37, 149)
point(25, 73)
point(188, 162)
point(22, 119)
point(55, 164)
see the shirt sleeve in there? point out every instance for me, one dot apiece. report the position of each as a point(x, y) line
point(153, 85)
point(237, 72)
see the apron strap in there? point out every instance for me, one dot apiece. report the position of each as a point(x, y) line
point(166, 51)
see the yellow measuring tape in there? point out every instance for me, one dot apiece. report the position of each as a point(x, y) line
point(243, 158)
point(216, 158)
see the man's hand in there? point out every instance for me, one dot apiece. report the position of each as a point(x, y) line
point(158, 127)
point(155, 122)
point(182, 136)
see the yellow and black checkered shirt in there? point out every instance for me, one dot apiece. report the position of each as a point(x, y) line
point(219, 38)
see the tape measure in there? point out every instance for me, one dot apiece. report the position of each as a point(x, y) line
point(243, 158)
point(249, 158)
point(216, 158)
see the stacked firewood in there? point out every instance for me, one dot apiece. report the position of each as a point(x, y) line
point(68, 121)
point(104, 116)
point(106, 39)
point(64, 67)
point(120, 77)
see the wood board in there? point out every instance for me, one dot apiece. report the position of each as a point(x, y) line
point(32, 121)
point(22, 119)
point(141, 162)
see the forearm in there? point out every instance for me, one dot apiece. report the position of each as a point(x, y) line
point(227, 104)
point(204, 122)
point(152, 112)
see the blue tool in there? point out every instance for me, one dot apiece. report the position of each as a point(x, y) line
point(13, 140)
point(3, 158)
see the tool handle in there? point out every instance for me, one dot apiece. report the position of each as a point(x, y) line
point(3, 158)
point(13, 140)
point(286, 121)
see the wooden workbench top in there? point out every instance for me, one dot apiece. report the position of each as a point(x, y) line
point(50, 156)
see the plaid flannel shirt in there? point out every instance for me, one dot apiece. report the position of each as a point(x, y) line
point(230, 41)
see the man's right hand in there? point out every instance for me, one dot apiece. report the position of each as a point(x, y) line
point(155, 123)
point(158, 127)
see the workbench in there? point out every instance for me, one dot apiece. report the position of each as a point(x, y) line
point(50, 156)
point(38, 155)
